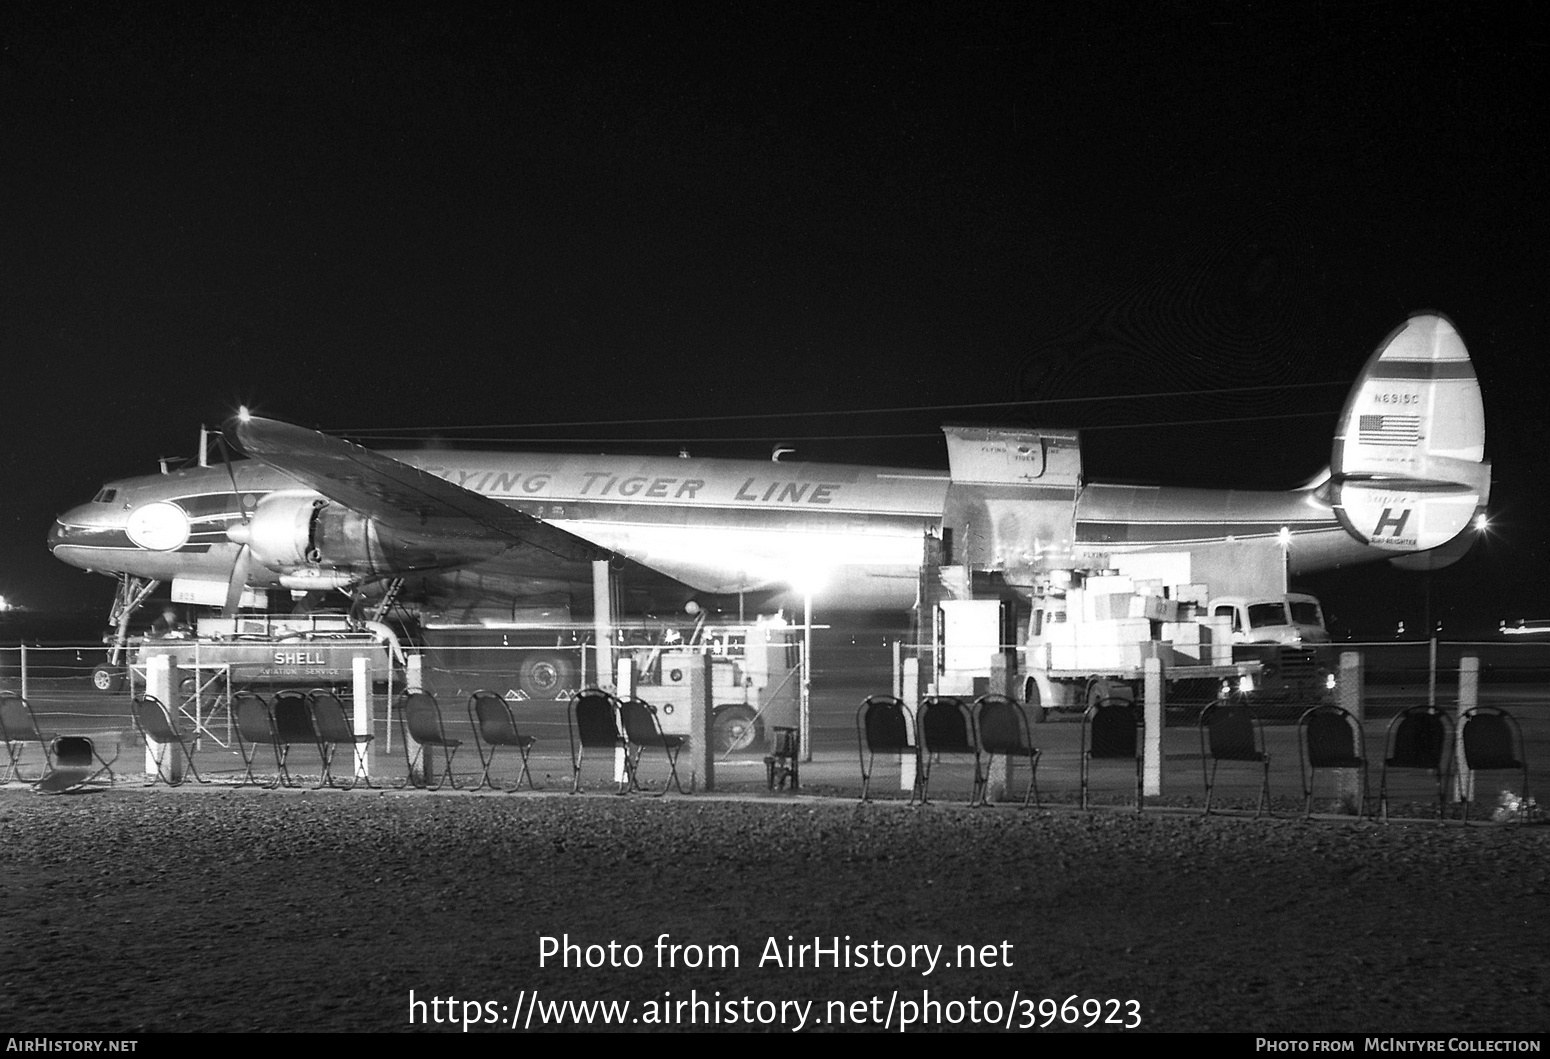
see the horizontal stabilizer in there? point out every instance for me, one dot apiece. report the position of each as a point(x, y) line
point(1408, 466)
point(1405, 516)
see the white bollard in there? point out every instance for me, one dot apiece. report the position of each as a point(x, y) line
point(701, 750)
point(1154, 689)
point(414, 680)
point(362, 668)
point(624, 681)
point(910, 696)
point(1351, 678)
point(161, 683)
point(1469, 698)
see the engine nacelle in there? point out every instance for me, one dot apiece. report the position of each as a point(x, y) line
point(297, 530)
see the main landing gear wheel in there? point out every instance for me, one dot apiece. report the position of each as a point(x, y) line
point(107, 678)
point(734, 729)
point(543, 676)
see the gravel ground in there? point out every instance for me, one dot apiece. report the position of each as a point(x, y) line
point(232, 910)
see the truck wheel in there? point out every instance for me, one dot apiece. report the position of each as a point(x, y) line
point(107, 678)
point(1038, 713)
point(543, 676)
point(735, 728)
point(1097, 691)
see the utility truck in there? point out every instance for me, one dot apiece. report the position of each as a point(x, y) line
point(1087, 632)
point(1287, 636)
point(266, 652)
point(754, 678)
point(754, 669)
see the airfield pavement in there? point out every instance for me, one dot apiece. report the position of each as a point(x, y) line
point(217, 909)
point(224, 909)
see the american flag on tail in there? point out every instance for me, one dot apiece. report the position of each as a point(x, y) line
point(1388, 430)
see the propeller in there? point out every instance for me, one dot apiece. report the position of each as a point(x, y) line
point(239, 533)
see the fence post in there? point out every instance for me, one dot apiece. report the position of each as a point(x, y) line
point(1153, 692)
point(161, 683)
point(362, 673)
point(1349, 781)
point(909, 694)
point(602, 620)
point(702, 763)
point(414, 680)
point(1469, 698)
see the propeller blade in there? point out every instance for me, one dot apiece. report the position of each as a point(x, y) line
point(238, 582)
point(230, 472)
point(238, 533)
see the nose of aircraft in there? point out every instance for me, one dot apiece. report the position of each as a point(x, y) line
point(59, 531)
point(72, 527)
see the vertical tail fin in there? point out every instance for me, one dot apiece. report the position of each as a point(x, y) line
point(1408, 467)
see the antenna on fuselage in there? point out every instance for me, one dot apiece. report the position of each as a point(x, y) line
point(780, 450)
point(204, 445)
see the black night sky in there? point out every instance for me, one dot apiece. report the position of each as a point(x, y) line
point(373, 221)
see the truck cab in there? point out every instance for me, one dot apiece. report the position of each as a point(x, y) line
point(1294, 618)
point(1287, 636)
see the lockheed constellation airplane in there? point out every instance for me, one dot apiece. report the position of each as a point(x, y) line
point(483, 536)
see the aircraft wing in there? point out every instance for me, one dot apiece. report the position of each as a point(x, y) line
point(398, 495)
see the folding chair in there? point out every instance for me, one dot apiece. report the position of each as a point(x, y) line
point(1330, 737)
point(255, 727)
point(593, 717)
point(883, 727)
point(18, 727)
point(638, 721)
point(291, 713)
point(1492, 742)
point(74, 756)
point(1111, 730)
point(333, 728)
point(1229, 731)
point(781, 764)
point(1419, 737)
point(1001, 727)
point(156, 726)
point(419, 721)
point(494, 726)
point(945, 725)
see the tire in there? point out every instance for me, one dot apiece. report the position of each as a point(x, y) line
point(1037, 712)
point(1100, 688)
point(107, 678)
point(735, 729)
point(545, 676)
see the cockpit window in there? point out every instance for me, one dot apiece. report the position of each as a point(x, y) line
point(105, 497)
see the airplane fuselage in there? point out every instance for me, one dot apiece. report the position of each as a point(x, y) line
point(1407, 478)
point(854, 534)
